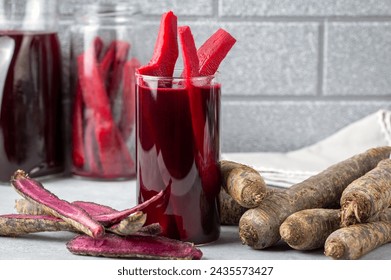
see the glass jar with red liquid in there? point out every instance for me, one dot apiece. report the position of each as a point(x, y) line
point(31, 127)
point(178, 150)
point(104, 60)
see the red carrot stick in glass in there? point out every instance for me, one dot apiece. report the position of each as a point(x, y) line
point(78, 153)
point(213, 51)
point(165, 52)
point(120, 57)
point(91, 148)
point(98, 45)
point(128, 114)
point(94, 92)
point(205, 153)
point(189, 53)
point(78, 150)
point(107, 60)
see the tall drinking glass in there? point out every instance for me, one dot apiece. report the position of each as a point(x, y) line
point(178, 150)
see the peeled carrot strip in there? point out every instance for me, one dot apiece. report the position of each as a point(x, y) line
point(93, 89)
point(107, 60)
point(78, 153)
point(90, 148)
point(128, 113)
point(165, 52)
point(205, 151)
point(213, 51)
point(120, 56)
point(98, 45)
point(189, 52)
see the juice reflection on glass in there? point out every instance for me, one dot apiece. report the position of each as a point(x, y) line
point(178, 151)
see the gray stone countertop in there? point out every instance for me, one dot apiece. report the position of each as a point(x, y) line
point(121, 195)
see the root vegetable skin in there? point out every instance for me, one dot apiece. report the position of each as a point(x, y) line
point(355, 241)
point(367, 196)
point(259, 227)
point(308, 229)
point(23, 206)
point(245, 185)
point(230, 210)
point(129, 225)
point(20, 224)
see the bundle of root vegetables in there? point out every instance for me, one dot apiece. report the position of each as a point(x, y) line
point(100, 230)
point(343, 209)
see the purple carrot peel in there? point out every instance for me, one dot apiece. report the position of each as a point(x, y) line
point(103, 214)
point(116, 217)
point(94, 209)
point(34, 191)
point(134, 246)
point(121, 224)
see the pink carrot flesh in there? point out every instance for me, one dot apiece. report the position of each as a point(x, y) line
point(134, 246)
point(205, 159)
point(94, 209)
point(120, 56)
point(189, 52)
point(213, 51)
point(78, 153)
point(107, 61)
point(128, 114)
point(165, 52)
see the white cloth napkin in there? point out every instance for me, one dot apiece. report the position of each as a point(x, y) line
point(286, 169)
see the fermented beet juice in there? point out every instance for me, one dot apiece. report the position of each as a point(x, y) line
point(178, 152)
point(30, 116)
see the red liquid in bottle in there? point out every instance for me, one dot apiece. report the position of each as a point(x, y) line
point(167, 159)
point(31, 107)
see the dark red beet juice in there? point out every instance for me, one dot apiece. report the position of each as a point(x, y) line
point(168, 158)
point(31, 107)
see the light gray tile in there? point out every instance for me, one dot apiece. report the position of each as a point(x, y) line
point(358, 59)
point(149, 7)
point(68, 7)
point(268, 58)
point(179, 7)
point(287, 125)
point(305, 8)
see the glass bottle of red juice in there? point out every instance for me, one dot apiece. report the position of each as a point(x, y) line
point(31, 130)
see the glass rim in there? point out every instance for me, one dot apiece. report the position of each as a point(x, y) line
point(176, 77)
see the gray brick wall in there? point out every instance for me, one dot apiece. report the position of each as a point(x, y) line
point(301, 69)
